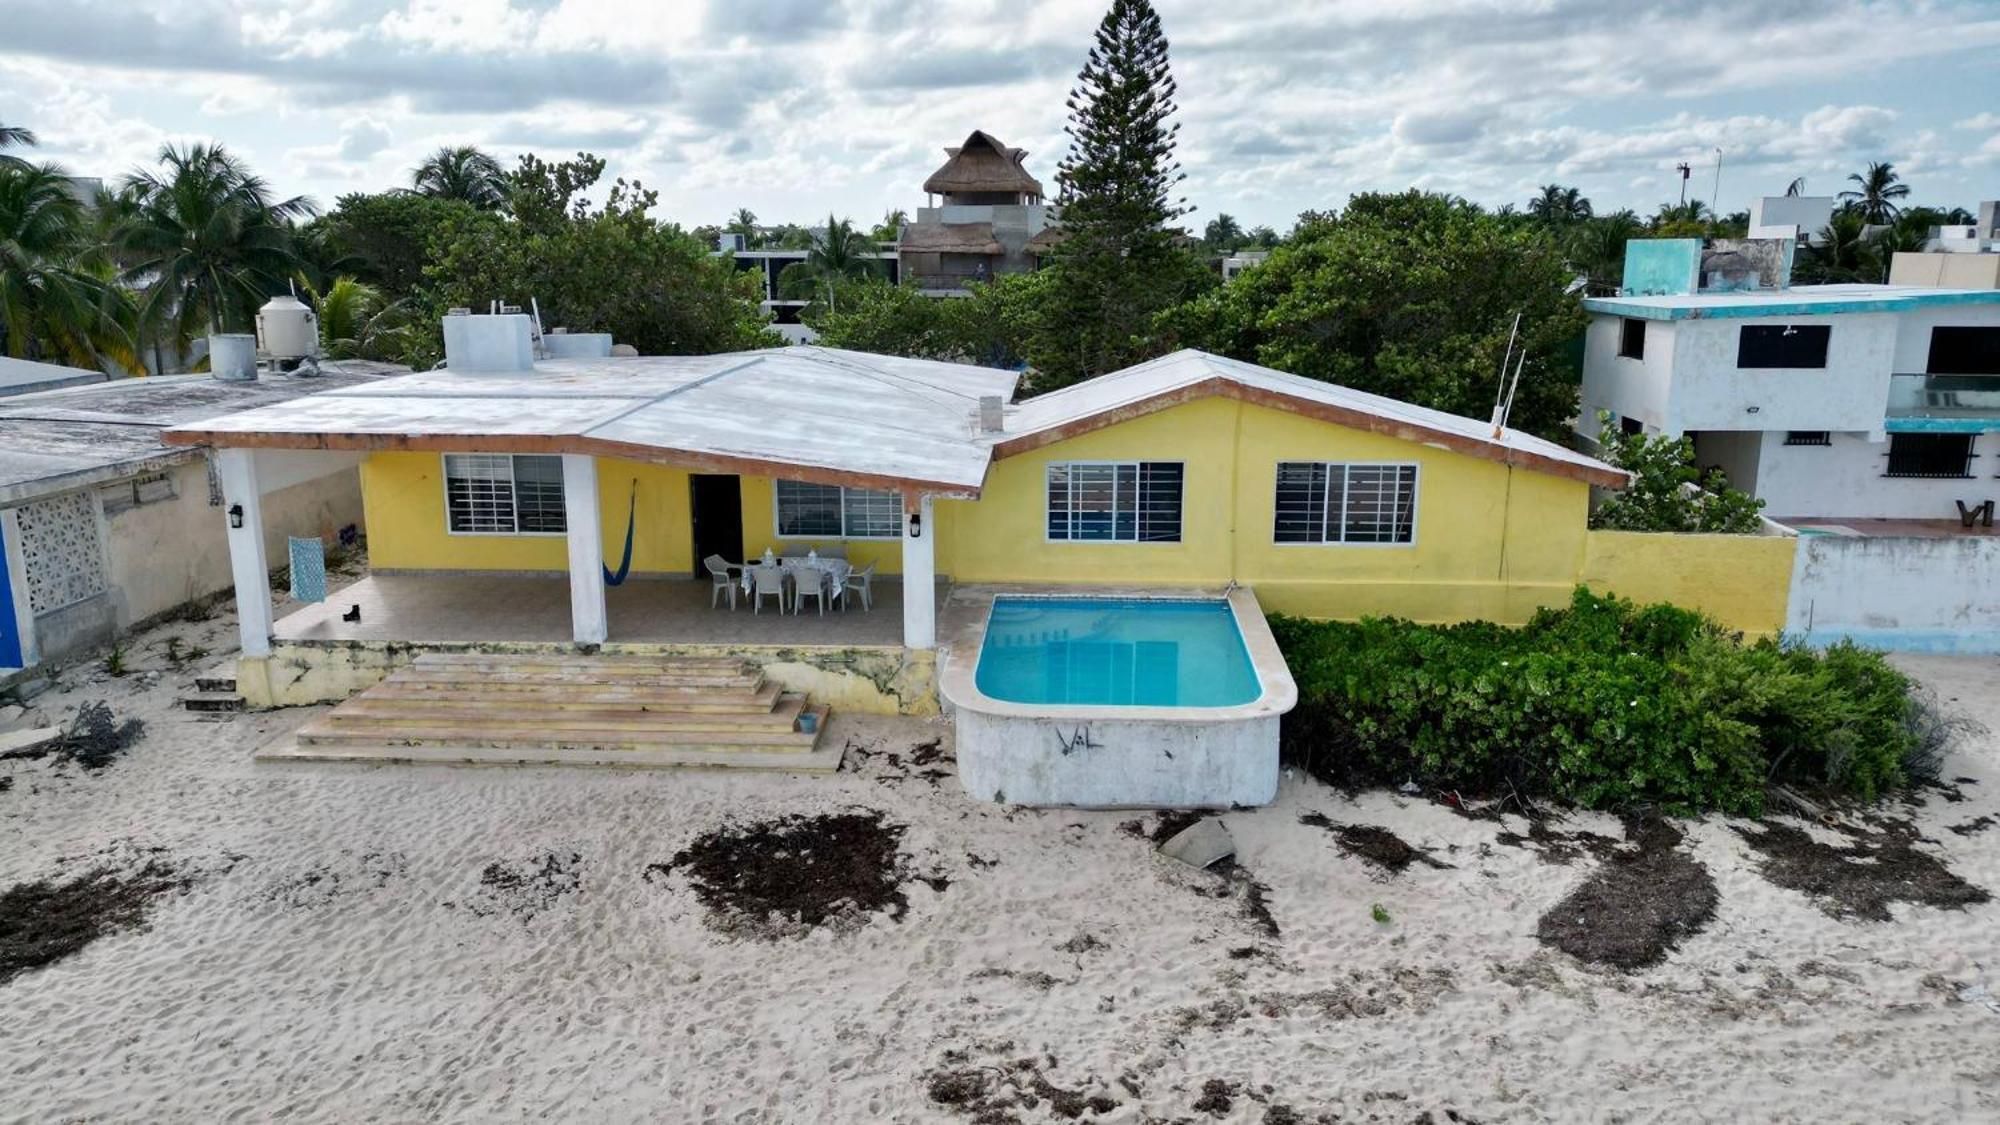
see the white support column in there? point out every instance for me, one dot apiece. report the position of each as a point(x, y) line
point(919, 576)
point(586, 549)
point(243, 504)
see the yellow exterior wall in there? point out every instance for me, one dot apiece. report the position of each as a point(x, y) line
point(1492, 542)
point(1743, 581)
point(403, 495)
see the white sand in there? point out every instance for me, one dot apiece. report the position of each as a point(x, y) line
point(339, 959)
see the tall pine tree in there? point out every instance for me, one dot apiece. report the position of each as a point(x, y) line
point(1119, 263)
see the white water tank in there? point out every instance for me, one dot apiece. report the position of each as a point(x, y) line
point(287, 329)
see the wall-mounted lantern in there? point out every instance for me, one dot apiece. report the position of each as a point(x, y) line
point(236, 515)
point(916, 525)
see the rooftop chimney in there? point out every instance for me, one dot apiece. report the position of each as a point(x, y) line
point(492, 344)
point(992, 414)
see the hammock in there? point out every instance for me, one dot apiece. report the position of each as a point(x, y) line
point(617, 577)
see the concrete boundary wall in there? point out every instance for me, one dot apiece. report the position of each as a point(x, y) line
point(1742, 581)
point(1905, 594)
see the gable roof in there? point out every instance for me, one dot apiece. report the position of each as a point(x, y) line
point(1188, 375)
point(983, 164)
point(805, 413)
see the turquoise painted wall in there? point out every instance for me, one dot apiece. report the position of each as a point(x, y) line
point(1662, 266)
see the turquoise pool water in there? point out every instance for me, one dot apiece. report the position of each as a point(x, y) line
point(1116, 652)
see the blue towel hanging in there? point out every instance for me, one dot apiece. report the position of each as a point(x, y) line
point(308, 569)
point(617, 577)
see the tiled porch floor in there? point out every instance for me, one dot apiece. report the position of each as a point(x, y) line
point(457, 607)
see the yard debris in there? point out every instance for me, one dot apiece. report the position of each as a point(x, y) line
point(1375, 844)
point(1200, 845)
point(786, 876)
point(93, 739)
point(1641, 903)
point(1860, 879)
point(530, 888)
point(1559, 848)
point(45, 921)
point(989, 1093)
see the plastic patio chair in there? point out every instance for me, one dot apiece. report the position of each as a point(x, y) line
point(721, 576)
point(861, 582)
point(808, 582)
point(766, 580)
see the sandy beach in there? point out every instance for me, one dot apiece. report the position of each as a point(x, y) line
point(396, 944)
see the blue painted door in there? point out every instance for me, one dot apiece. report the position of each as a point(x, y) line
point(10, 629)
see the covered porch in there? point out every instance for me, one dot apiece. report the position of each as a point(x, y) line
point(506, 608)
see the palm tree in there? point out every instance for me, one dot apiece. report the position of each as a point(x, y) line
point(356, 321)
point(464, 173)
point(1844, 251)
point(1875, 192)
point(12, 136)
point(1222, 233)
point(744, 222)
point(1597, 248)
point(56, 298)
point(1558, 205)
point(838, 253)
point(891, 227)
point(205, 239)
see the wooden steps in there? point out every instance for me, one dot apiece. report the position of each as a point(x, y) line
point(557, 708)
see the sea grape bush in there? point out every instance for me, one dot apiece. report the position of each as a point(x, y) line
point(1603, 703)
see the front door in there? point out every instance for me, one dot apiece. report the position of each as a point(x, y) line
point(717, 505)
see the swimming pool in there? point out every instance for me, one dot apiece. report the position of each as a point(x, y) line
point(1114, 698)
point(1127, 653)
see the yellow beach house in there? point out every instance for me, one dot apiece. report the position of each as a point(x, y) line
point(619, 509)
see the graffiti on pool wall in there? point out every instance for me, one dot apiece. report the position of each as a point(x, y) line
point(1078, 739)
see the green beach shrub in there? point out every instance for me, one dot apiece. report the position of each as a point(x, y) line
point(1602, 703)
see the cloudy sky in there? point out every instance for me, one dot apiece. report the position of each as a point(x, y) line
point(797, 107)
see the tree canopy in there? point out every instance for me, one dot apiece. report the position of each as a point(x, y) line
point(1412, 296)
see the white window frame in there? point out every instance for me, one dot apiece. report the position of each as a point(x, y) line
point(1416, 502)
point(444, 487)
point(1136, 463)
point(778, 522)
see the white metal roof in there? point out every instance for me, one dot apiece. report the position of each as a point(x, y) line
point(1162, 380)
point(819, 411)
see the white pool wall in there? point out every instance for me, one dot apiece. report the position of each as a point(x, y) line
point(1113, 756)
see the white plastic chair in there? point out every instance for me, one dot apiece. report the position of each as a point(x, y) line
point(766, 580)
point(861, 582)
point(721, 576)
point(808, 582)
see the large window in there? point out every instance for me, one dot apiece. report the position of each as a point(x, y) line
point(807, 511)
point(503, 494)
point(1115, 501)
point(1632, 338)
point(1930, 455)
point(1321, 502)
point(1782, 345)
point(1964, 351)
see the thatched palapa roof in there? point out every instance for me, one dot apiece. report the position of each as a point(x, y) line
point(982, 164)
point(950, 238)
point(1045, 240)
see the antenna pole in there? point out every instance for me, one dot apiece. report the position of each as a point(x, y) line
point(1500, 403)
point(1716, 194)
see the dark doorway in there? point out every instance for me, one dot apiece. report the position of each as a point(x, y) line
point(717, 506)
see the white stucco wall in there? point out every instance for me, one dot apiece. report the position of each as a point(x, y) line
point(1913, 341)
point(1846, 479)
point(1709, 392)
point(163, 553)
point(1913, 595)
point(1630, 388)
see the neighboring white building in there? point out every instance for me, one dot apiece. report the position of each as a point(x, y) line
point(1857, 401)
point(785, 308)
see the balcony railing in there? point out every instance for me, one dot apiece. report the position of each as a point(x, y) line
point(1944, 397)
point(943, 280)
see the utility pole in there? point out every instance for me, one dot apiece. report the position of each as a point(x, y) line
point(1684, 170)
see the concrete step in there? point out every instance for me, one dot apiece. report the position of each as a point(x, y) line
point(213, 701)
point(396, 714)
point(475, 699)
point(223, 685)
point(823, 759)
point(322, 732)
point(494, 678)
point(571, 662)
